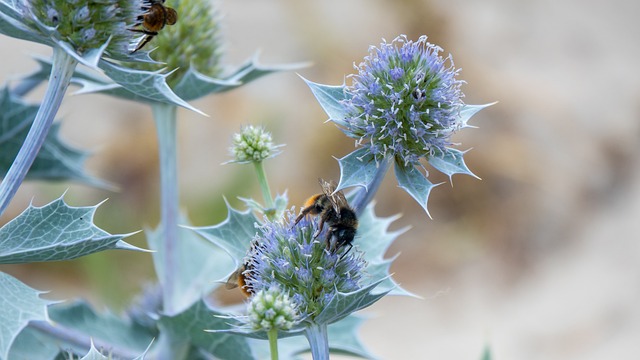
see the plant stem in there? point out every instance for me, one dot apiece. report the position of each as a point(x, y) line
point(364, 196)
point(318, 341)
point(264, 185)
point(165, 119)
point(61, 71)
point(273, 343)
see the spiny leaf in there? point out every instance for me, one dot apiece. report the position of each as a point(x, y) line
point(330, 98)
point(280, 205)
point(102, 328)
point(145, 84)
point(54, 232)
point(194, 85)
point(19, 304)
point(343, 304)
point(189, 326)
point(32, 344)
point(234, 234)
point(201, 263)
point(373, 239)
point(55, 161)
point(357, 169)
point(468, 111)
point(415, 183)
point(451, 162)
point(94, 354)
point(342, 340)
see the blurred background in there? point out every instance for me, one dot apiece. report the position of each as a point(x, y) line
point(539, 260)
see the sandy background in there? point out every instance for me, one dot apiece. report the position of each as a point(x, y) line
point(540, 259)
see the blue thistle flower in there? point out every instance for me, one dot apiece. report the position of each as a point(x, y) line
point(402, 107)
point(290, 259)
point(404, 102)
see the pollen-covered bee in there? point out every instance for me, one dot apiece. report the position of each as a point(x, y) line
point(334, 211)
point(154, 19)
point(237, 279)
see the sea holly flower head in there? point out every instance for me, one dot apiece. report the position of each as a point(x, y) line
point(291, 259)
point(83, 26)
point(253, 144)
point(194, 42)
point(402, 107)
point(272, 309)
point(405, 101)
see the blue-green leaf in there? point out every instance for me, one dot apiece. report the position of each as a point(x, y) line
point(54, 232)
point(200, 264)
point(280, 205)
point(415, 183)
point(19, 304)
point(189, 326)
point(55, 161)
point(451, 162)
point(234, 234)
point(468, 111)
point(343, 339)
point(486, 354)
point(32, 344)
point(359, 168)
point(149, 85)
point(343, 304)
point(194, 85)
point(105, 329)
point(330, 98)
point(373, 239)
point(94, 354)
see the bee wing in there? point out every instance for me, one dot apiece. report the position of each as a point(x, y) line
point(232, 281)
point(336, 198)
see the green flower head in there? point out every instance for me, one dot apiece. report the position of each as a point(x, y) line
point(272, 309)
point(253, 144)
point(86, 25)
point(193, 42)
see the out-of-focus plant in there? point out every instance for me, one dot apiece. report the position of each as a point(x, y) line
point(403, 106)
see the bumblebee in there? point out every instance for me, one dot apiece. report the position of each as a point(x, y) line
point(237, 279)
point(334, 211)
point(154, 19)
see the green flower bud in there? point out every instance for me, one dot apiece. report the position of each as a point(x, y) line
point(272, 309)
point(252, 144)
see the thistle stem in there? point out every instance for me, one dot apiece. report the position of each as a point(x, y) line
point(61, 71)
point(364, 196)
point(317, 336)
point(273, 343)
point(165, 119)
point(264, 184)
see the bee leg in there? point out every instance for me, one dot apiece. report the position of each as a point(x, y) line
point(144, 41)
point(346, 252)
point(320, 226)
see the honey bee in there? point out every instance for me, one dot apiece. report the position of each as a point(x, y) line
point(153, 20)
point(237, 279)
point(334, 210)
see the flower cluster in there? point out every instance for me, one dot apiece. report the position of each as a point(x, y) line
point(193, 42)
point(272, 309)
point(404, 101)
point(253, 144)
point(289, 258)
point(87, 25)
